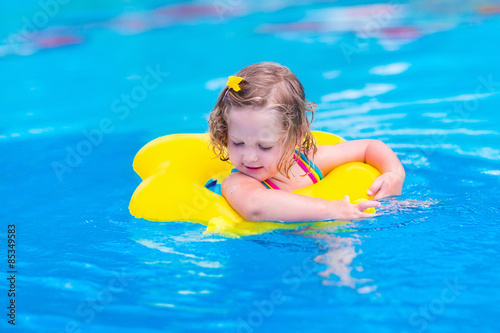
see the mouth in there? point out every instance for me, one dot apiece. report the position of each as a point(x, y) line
point(251, 169)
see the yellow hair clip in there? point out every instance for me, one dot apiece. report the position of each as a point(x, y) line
point(233, 82)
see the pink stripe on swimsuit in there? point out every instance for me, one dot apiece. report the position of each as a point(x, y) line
point(314, 173)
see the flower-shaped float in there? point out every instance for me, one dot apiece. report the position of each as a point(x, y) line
point(174, 169)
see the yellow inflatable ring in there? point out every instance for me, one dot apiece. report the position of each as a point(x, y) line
point(174, 169)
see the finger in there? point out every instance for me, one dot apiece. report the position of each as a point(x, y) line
point(368, 215)
point(346, 199)
point(365, 216)
point(377, 184)
point(382, 193)
point(362, 206)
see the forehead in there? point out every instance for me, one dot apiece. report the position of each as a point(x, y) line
point(254, 123)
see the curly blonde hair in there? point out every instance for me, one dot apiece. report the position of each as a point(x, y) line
point(267, 85)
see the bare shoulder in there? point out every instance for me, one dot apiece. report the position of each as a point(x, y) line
point(240, 191)
point(238, 183)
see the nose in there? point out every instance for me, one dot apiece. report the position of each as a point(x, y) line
point(250, 156)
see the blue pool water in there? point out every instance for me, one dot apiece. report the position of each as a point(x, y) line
point(422, 76)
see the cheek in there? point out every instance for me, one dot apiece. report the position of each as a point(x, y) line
point(273, 161)
point(230, 153)
point(233, 154)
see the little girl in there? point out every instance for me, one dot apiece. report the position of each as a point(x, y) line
point(260, 124)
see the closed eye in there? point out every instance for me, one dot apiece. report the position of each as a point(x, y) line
point(237, 144)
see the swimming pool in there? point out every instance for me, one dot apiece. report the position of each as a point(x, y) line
point(85, 88)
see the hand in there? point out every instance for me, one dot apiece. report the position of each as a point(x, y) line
point(345, 210)
point(389, 183)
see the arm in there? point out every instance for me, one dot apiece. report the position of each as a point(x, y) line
point(373, 152)
point(256, 203)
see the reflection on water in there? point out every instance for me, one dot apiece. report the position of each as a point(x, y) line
point(343, 247)
point(339, 256)
point(393, 25)
point(338, 259)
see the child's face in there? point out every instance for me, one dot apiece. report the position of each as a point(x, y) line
point(254, 145)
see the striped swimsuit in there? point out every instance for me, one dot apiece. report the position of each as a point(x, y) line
point(315, 173)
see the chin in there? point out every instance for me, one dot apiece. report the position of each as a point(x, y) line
point(259, 178)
